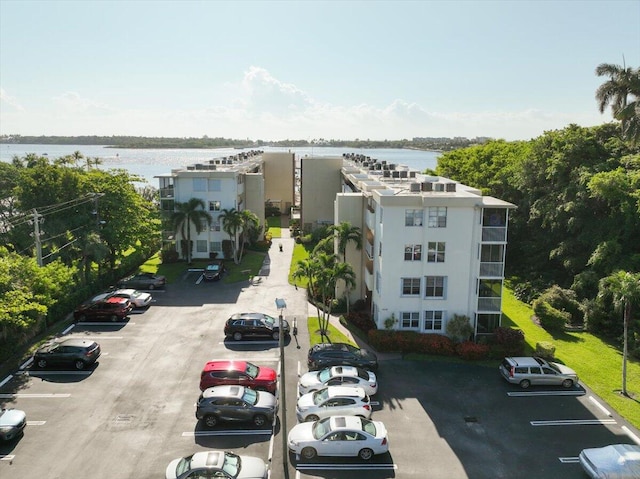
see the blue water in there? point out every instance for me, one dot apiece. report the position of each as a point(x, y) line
point(149, 163)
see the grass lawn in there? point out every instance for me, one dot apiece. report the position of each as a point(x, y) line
point(300, 252)
point(274, 225)
point(597, 362)
point(334, 334)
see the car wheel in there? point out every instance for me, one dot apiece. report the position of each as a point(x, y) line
point(79, 364)
point(567, 383)
point(82, 318)
point(276, 335)
point(113, 318)
point(309, 453)
point(42, 363)
point(237, 336)
point(311, 417)
point(259, 420)
point(525, 383)
point(365, 454)
point(211, 420)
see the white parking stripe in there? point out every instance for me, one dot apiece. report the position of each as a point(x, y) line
point(68, 329)
point(36, 423)
point(602, 408)
point(39, 372)
point(574, 422)
point(633, 437)
point(569, 460)
point(8, 457)
point(26, 395)
point(239, 432)
point(545, 393)
point(6, 380)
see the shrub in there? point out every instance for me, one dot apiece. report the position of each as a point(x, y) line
point(169, 256)
point(471, 351)
point(545, 349)
point(564, 300)
point(550, 318)
point(459, 328)
point(361, 320)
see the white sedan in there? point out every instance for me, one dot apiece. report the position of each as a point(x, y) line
point(349, 436)
point(137, 298)
point(338, 376)
point(619, 461)
point(333, 401)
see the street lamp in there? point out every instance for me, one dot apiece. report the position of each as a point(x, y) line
point(282, 305)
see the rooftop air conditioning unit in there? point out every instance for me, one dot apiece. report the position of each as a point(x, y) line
point(451, 187)
point(386, 174)
point(427, 186)
point(414, 187)
point(395, 174)
point(412, 174)
point(403, 174)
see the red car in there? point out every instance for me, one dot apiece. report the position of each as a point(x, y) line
point(108, 309)
point(217, 373)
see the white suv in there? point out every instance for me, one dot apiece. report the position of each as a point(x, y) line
point(332, 401)
point(529, 371)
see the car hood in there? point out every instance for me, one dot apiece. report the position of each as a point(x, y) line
point(565, 369)
point(266, 374)
point(301, 432)
point(12, 417)
point(309, 379)
point(618, 461)
point(305, 401)
point(365, 353)
point(252, 468)
point(266, 400)
point(170, 472)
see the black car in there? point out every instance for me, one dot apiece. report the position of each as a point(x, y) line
point(78, 353)
point(235, 403)
point(111, 308)
point(325, 355)
point(214, 271)
point(243, 325)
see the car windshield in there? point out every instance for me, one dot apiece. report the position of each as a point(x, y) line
point(554, 367)
point(213, 267)
point(320, 428)
point(368, 426)
point(252, 370)
point(269, 321)
point(250, 396)
point(320, 396)
point(183, 465)
point(136, 294)
point(324, 375)
point(231, 464)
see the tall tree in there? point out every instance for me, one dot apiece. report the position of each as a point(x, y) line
point(250, 221)
point(232, 224)
point(623, 82)
point(187, 214)
point(623, 288)
point(346, 233)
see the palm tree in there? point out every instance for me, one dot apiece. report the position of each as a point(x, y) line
point(186, 214)
point(232, 224)
point(345, 234)
point(249, 221)
point(623, 82)
point(624, 290)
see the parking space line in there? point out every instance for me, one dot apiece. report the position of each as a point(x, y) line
point(6, 380)
point(26, 395)
point(7, 457)
point(36, 423)
point(346, 467)
point(600, 406)
point(238, 432)
point(569, 460)
point(39, 372)
point(574, 422)
point(633, 437)
point(68, 329)
point(545, 393)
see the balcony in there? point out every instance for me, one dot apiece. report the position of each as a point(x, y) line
point(494, 233)
point(489, 304)
point(492, 270)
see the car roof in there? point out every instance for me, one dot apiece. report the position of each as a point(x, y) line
point(526, 361)
point(223, 391)
point(344, 371)
point(128, 291)
point(225, 366)
point(332, 347)
point(345, 391)
point(247, 316)
point(75, 342)
point(116, 300)
point(207, 459)
point(345, 422)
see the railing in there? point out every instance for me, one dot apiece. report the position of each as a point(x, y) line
point(495, 270)
point(489, 304)
point(368, 247)
point(493, 233)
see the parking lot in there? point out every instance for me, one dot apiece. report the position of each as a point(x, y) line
point(132, 413)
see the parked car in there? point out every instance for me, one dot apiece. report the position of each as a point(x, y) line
point(617, 461)
point(339, 436)
point(244, 325)
point(137, 298)
point(143, 281)
point(242, 373)
point(108, 309)
point(12, 423)
point(235, 403)
point(75, 352)
point(214, 270)
point(333, 401)
point(338, 376)
point(218, 464)
point(324, 355)
point(527, 371)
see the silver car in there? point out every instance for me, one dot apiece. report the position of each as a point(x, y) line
point(223, 464)
point(333, 401)
point(12, 423)
point(528, 371)
point(618, 461)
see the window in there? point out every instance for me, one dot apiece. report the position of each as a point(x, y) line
point(380, 248)
point(487, 323)
point(433, 320)
point(201, 246)
point(435, 252)
point(437, 217)
point(435, 287)
point(215, 246)
point(215, 185)
point(490, 288)
point(413, 218)
point(494, 217)
point(199, 184)
point(413, 252)
point(410, 320)
point(410, 286)
point(214, 206)
point(492, 253)
point(215, 225)
point(378, 281)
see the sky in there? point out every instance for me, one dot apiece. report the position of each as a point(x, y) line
point(267, 70)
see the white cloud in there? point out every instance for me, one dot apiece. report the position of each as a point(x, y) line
point(13, 102)
point(72, 102)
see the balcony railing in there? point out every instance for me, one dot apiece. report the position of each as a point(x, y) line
point(489, 304)
point(492, 270)
point(368, 247)
point(493, 233)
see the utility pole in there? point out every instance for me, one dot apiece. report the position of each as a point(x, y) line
point(281, 305)
point(36, 234)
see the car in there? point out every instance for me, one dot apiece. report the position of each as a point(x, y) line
point(137, 298)
point(339, 436)
point(75, 352)
point(333, 401)
point(12, 423)
point(338, 376)
point(242, 373)
point(143, 281)
point(235, 403)
point(324, 355)
point(107, 309)
point(218, 464)
point(245, 325)
point(214, 270)
point(528, 371)
point(617, 461)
